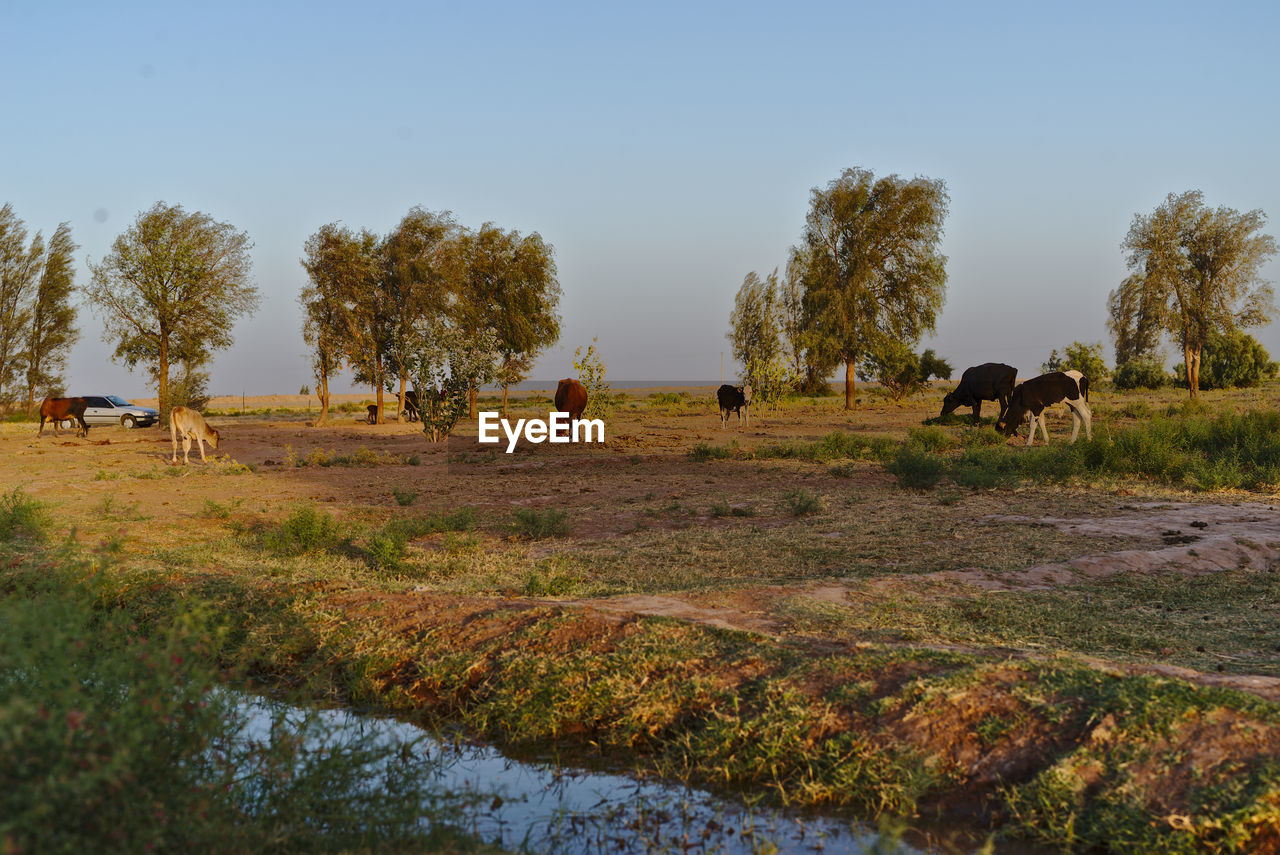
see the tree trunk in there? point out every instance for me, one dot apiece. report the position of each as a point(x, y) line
point(1192, 357)
point(162, 372)
point(505, 386)
point(471, 397)
point(324, 401)
point(404, 381)
point(850, 395)
point(378, 394)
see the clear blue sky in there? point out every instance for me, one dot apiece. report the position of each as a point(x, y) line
point(665, 150)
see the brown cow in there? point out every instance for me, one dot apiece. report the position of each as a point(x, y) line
point(571, 398)
point(58, 409)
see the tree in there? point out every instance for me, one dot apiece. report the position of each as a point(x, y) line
point(1196, 271)
point(755, 327)
point(509, 285)
point(932, 365)
point(806, 362)
point(1085, 358)
point(875, 279)
point(371, 314)
point(52, 330)
point(19, 267)
point(173, 285)
point(419, 258)
point(896, 368)
point(591, 371)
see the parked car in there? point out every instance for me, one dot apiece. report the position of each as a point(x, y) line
point(114, 410)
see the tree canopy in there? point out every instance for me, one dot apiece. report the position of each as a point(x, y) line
point(874, 279)
point(1195, 272)
point(171, 289)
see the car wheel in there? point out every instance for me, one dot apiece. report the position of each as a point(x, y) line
point(128, 422)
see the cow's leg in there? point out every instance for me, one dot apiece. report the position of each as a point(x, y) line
point(41, 431)
point(1044, 426)
point(186, 449)
point(1075, 422)
point(747, 411)
point(1031, 427)
point(200, 444)
point(1087, 415)
point(977, 412)
point(173, 435)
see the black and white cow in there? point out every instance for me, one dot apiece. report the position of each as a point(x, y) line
point(1030, 398)
point(990, 381)
point(734, 399)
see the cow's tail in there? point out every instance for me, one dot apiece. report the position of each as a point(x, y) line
point(1084, 387)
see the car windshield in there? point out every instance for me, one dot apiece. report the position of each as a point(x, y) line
point(118, 401)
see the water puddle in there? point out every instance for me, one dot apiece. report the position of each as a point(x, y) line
point(545, 807)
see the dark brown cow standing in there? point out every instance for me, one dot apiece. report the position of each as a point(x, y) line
point(1029, 400)
point(734, 399)
point(571, 398)
point(990, 381)
point(58, 409)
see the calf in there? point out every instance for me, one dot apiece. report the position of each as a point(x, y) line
point(571, 398)
point(990, 381)
point(411, 411)
point(734, 399)
point(1029, 399)
point(58, 410)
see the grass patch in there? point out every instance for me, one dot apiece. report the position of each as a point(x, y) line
point(532, 524)
point(703, 451)
point(801, 502)
point(404, 498)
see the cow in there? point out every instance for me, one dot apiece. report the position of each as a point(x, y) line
point(410, 409)
point(190, 425)
point(1030, 398)
point(571, 398)
point(990, 381)
point(57, 410)
point(734, 399)
point(372, 417)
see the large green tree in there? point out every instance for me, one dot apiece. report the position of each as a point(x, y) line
point(339, 265)
point(171, 289)
point(509, 285)
point(52, 329)
point(19, 269)
point(874, 278)
point(1196, 271)
point(419, 260)
point(755, 326)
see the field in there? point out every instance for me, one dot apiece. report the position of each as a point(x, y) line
point(854, 611)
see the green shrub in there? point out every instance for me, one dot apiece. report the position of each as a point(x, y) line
point(22, 517)
point(702, 452)
point(801, 502)
point(931, 439)
point(536, 525)
point(1231, 359)
point(404, 498)
point(915, 467)
point(119, 740)
point(1141, 374)
point(1085, 358)
point(306, 530)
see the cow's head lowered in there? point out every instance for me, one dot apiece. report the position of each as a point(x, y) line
point(952, 401)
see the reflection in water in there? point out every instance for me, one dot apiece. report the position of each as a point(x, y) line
point(548, 808)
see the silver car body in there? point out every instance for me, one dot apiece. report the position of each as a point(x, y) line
point(114, 410)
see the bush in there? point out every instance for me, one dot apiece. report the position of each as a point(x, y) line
point(915, 467)
point(932, 365)
point(702, 452)
point(1140, 374)
point(1085, 358)
point(306, 530)
point(536, 525)
point(22, 517)
point(1231, 359)
point(801, 502)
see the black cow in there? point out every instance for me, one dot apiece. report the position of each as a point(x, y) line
point(1029, 400)
point(990, 381)
point(411, 411)
point(734, 399)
